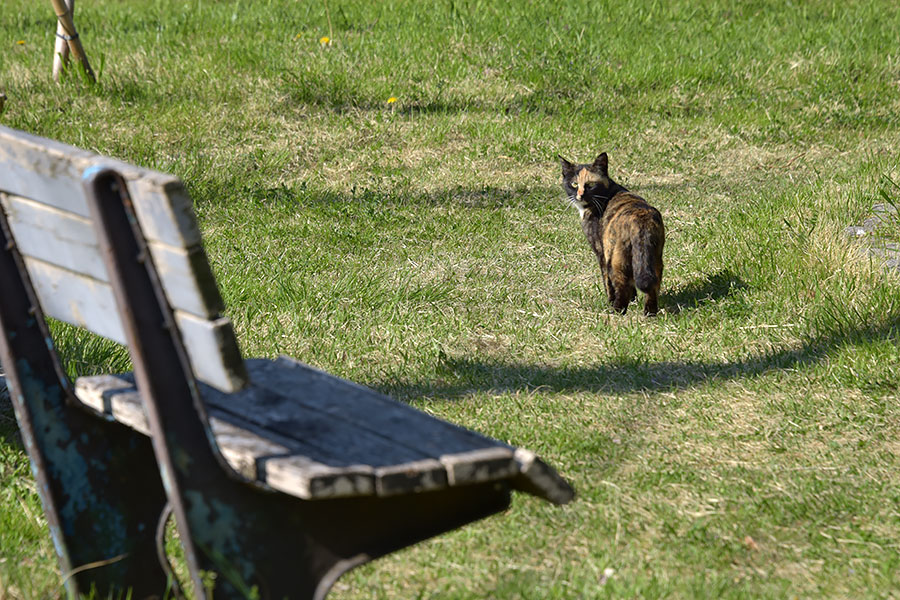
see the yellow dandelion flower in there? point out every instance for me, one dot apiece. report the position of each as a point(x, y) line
point(298, 36)
point(20, 42)
point(325, 40)
point(392, 99)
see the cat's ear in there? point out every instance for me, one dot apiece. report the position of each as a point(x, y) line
point(566, 165)
point(602, 163)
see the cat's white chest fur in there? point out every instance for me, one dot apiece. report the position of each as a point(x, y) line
point(582, 208)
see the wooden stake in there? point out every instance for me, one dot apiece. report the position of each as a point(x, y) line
point(61, 47)
point(64, 16)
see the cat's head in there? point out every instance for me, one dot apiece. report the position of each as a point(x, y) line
point(588, 185)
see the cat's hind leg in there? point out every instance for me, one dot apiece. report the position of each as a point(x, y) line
point(619, 279)
point(607, 282)
point(621, 290)
point(648, 281)
point(610, 290)
point(624, 294)
point(651, 302)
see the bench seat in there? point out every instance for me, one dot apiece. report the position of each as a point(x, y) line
point(312, 435)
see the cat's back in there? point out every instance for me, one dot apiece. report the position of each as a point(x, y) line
point(627, 208)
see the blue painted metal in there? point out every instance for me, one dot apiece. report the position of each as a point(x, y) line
point(253, 541)
point(97, 479)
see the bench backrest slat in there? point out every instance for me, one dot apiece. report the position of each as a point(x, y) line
point(68, 241)
point(42, 196)
point(44, 170)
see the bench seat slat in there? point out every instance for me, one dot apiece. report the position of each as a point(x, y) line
point(330, 448)
point(438, 453)
point(258, 455)
point(332, 441)
point(467, 456)
point(283, 373)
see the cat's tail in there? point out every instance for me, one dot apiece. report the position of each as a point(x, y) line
point(646, 260)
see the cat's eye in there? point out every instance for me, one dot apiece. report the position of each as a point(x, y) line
point(588, 186)
point(573, 184)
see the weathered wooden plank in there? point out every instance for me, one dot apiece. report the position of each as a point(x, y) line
point(539, 479)
point(43, 169)
point(115, 397)
point(484, 464)
point(164, 208)
point(89, 303)
point(76, 299)
point(187, 279)
point(55, 236)
point(263, 456)
point(213, 350)
point(242, 449)
point(460, 450)
point(50, 172)
point(299, 476)
point(67, 240)
point(396, 468)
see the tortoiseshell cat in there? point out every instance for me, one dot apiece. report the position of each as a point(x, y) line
point(625, 232)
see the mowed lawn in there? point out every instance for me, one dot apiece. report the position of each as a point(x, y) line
point(742, 444)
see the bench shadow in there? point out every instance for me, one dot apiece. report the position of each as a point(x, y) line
point(464, 376)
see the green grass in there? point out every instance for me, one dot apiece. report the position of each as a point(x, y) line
point(743, 444)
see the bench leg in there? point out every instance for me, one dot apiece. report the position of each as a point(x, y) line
point(300, 548)
point(97, 480)
point(273, 546)
point(253, 540)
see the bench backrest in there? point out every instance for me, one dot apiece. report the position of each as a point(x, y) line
point(42, 196)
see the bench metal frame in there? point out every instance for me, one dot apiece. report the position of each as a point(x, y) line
point(98, 512)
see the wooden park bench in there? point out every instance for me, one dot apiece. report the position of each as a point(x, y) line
point(280, 476)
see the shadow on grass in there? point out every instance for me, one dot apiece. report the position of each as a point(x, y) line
point(366, 198)
point(467, 376)
point(709, 289)
point(339, 92)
